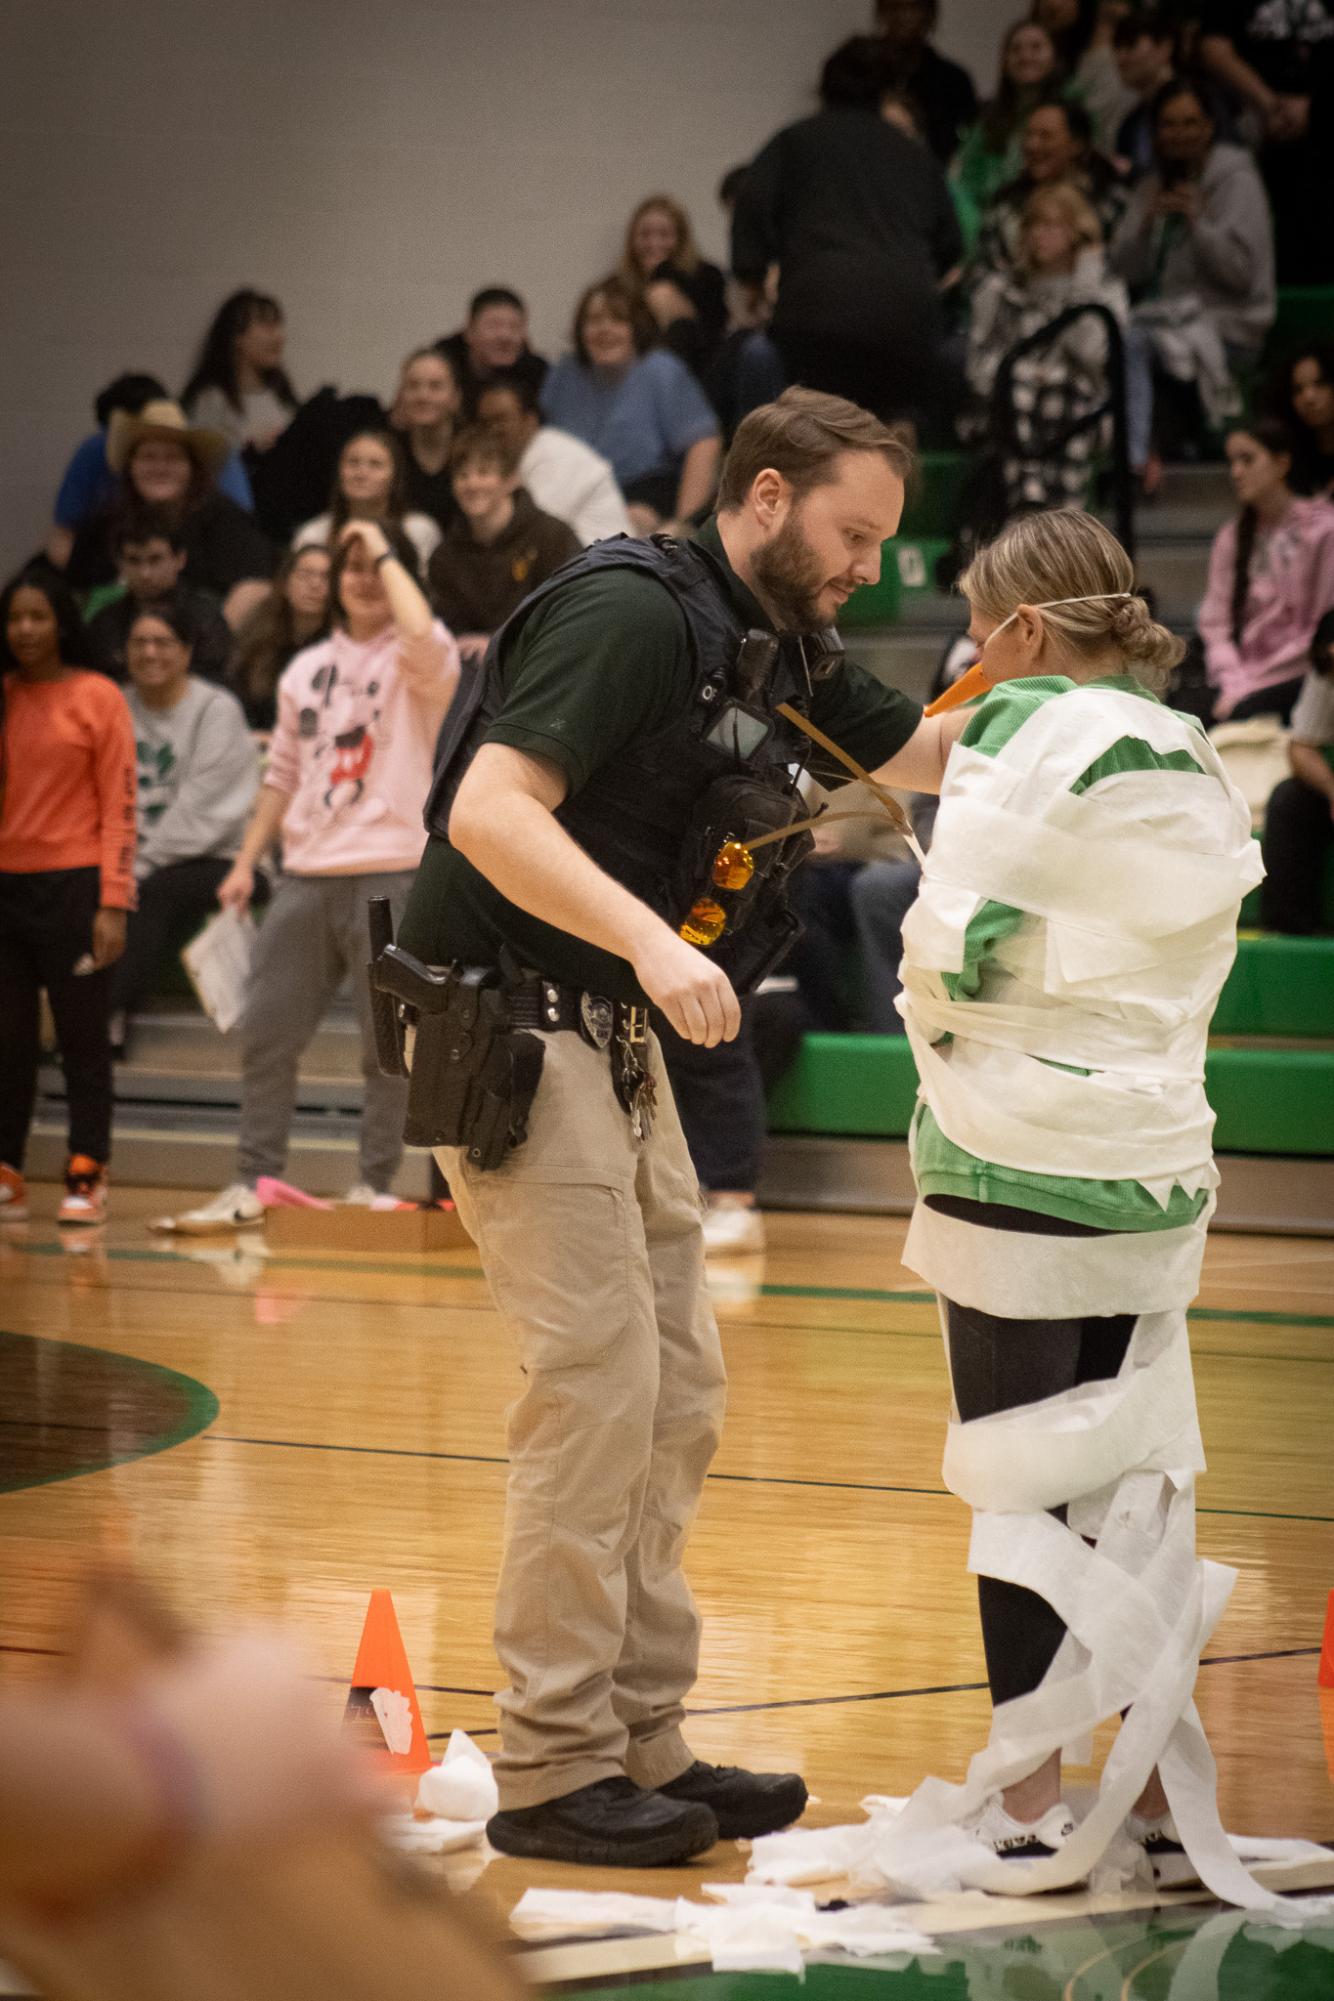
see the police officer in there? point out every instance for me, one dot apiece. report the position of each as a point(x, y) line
point(580, 774)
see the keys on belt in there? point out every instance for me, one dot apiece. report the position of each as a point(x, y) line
point(613, 1026)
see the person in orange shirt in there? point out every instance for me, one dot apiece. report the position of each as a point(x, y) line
point(67, 834)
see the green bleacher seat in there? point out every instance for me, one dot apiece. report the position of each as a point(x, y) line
point(1305, 312)
point(864, 1086)
point(934, 499)
point(1279, 986)
point(876, 604)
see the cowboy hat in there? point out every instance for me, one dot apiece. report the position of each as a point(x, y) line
point(163, 419)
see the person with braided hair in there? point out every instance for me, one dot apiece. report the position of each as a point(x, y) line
point(1271, 579)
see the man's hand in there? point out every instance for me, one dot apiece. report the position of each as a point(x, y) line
point(237, 887)
point(472, 645)
point(108, 937)
point(695, 995)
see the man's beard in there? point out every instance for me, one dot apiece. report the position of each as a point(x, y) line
point(790, 578)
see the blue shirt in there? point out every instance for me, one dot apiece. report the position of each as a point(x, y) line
point(89, 485)
point(645, 422)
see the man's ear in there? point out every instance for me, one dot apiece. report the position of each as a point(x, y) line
point(768, 491)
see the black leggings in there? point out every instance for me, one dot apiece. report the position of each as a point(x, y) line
point(996, 1365)
point(46, 927)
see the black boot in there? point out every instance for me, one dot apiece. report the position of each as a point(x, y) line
point(610, 1824)
point(745, 1804)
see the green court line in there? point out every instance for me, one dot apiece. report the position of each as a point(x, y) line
point(867, 1295)
point(201, 1410)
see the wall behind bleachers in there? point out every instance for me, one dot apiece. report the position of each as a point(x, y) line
point(369, 164)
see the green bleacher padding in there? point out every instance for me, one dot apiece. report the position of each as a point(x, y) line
point(1272, 1100)
point(934, 498)
point(876, 604)
point(1305, 312)
point(864, 1086)
point(1279, 986)
point(916, 557)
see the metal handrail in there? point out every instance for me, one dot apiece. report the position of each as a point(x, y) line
point(1002, 413)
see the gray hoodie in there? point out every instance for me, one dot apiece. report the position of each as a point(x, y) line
point(1225, 260)
point(198, 776)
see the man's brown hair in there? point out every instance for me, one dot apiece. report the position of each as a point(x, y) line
point(803, 435)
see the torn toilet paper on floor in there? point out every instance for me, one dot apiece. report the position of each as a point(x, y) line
point(455, 1800)
point(746, 1928)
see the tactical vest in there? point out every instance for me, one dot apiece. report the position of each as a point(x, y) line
point(636, 812)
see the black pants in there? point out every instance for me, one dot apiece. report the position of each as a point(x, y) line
point(720, 1098)
point(46, 927)
point(1298, 830)
point(173, 903)
point(996, 1365)
point(1194, 694)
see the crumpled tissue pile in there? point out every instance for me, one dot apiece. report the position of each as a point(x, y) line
point(459, 1795)
point(877, 1856)
point(748, 1927)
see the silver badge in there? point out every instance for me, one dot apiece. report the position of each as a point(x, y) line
point(595, 1020)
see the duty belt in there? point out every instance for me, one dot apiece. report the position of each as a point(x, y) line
point(616, 1026)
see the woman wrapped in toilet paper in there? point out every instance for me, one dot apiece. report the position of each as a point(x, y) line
point(1076, 920)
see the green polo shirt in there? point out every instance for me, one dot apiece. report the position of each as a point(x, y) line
point(940, 1167)
point(601, 664)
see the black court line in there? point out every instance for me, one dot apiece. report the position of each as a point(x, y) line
point(949, 1688)
point(741, 1479)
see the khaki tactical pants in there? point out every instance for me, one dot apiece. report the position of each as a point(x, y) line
point(592, 1247)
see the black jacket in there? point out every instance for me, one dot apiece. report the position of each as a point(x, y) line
point(943, 92)
point(859, 219)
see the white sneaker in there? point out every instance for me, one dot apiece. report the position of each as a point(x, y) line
point(1021, 1840)
point(732, 1230)
point(363, 1196)
point(1163, 1848)
point(236, 1208)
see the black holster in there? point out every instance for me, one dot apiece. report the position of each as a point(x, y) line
point(473, 1076)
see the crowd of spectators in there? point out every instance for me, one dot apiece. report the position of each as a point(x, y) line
point(272, 577)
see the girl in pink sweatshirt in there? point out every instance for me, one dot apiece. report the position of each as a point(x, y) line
point(347, 777)
point(1271, 580)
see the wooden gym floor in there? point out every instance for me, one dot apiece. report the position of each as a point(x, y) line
point(275, 1435)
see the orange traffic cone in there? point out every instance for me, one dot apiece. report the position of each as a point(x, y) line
point(383, 1696)
point(1325, 1678)
point(1326, 1701)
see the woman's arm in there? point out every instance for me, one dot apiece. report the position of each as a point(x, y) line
point(115, 779)
point(428, 657)
point(1309, 765)
point(1214, 621)
point(236, 889)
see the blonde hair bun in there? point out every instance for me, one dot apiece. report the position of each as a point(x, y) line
point(1062, 553)
point(1146, 645)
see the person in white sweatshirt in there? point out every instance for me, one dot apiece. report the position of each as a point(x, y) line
point(560, 472)
point(198, 773)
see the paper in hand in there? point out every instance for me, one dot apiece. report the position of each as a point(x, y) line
point(218, 962)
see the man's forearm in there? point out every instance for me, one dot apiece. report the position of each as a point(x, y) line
point(524, 852)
